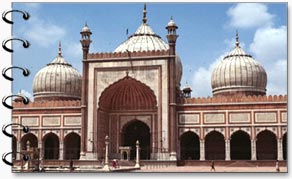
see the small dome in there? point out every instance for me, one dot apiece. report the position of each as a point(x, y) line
point(85, 28)
point(239, 74)
point(187, 88)
point(58, 80)
point(171, 23)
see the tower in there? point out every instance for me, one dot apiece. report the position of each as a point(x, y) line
point(171, 36)
point(85, 42)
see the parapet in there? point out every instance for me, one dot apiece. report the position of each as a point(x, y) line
point(48, 104)
point(117, 55)
point(234, 99)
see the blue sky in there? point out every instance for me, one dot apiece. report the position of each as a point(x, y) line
point(206, 33)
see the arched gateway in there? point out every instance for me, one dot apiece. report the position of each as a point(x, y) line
point(137, 130)
point(128, 112)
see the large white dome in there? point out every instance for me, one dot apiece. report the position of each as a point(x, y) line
point(239, 74)
point(144, 39)
point(58, 80)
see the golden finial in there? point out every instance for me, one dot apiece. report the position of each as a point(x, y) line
point(237, 42)
point(144, 14)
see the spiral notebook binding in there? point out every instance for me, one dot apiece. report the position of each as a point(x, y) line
point(25, 100)
point(25, 43)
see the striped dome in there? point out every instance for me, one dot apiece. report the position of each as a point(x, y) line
point(239, 74)
point(58, 80)
point(144, 39)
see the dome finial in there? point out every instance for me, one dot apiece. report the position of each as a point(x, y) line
point(237, 42)
point(60, 49)
point(144, 14)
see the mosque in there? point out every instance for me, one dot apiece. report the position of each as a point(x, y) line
point(134, 93)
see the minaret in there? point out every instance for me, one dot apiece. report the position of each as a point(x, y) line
point(171, 36)
point(85, 42)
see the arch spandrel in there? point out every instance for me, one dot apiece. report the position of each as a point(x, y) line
point(184, 130)
point(220, 130)
point(246, 130)
point(270, 129)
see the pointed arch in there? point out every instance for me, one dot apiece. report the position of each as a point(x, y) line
point(266, 145)
point(51, 145)
point(240, 146)
point(72, 146)
point(14, 147)
point(189, 146)
point(137, 130)
point(33, 140)
point(214, 146)
point(284, 146)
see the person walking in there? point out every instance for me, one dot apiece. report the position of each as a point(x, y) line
point(277, 166)
point(212, 166)
point(71, 166)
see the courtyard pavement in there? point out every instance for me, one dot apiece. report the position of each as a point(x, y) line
point(204, 169)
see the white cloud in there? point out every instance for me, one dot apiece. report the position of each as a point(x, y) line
point(44, 33)
point(201, 81)
point(32, 5)
point(27, 94)
point(248, 15)
point(269, 47)
point(270, 44)
point(277, 78)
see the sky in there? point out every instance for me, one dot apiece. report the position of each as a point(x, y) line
point(206, 34)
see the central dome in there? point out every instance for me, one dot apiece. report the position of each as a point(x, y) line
point(239, 74)
point(144, 39)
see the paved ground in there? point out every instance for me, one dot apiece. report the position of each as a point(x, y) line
point(207, 169)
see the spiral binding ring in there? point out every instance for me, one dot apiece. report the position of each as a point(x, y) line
point(25, 129)
point(25, 44)
point(25, 72)
point(25, 15)
point(25, 157)
point(25, 100)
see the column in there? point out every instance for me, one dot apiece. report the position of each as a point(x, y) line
point(106, 166)
point(61, 151)
point(280, 149)
point(202, 149)
point(137, 165)
point(227, 149)
point(18, 149)
point(253, 149)
point(41, 151)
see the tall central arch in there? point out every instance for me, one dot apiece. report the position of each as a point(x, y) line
point(127, 97)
